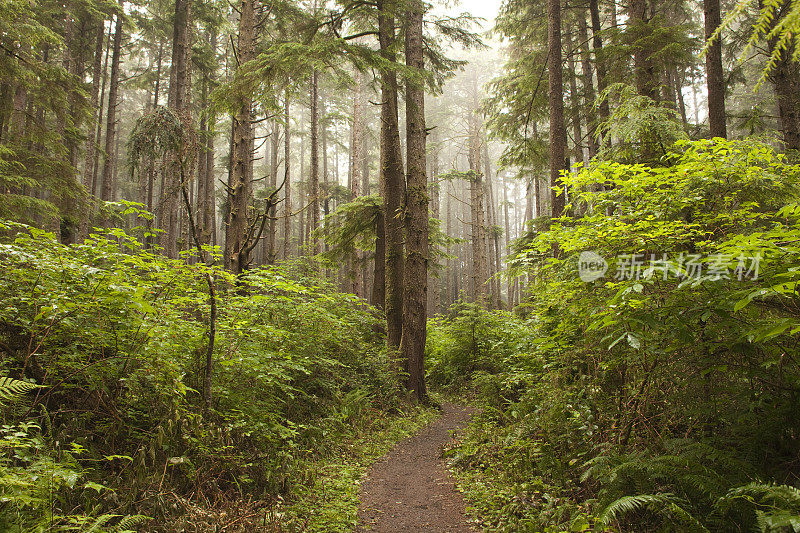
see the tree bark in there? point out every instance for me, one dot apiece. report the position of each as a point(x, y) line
point(678, 85)
point(111, 124)
point(272, 235)
point(434, 283)
point(597, 45)
point(785, 77)
point(588, 86)
point(208, 198)
point(314, 178)
point(575, 103)
point(477, 223)
point(176, 101)
point(287, 183)
point(378, 295)
point(639, 26)
point(558, 134)
point(91, 137)
point(356, 171)
point(715, 77)
point(392, 180)
point(509, 282)
point(415, 291)
point(240, 184)
point(90, 169)
point(494, 237)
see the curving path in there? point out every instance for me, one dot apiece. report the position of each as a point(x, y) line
point(410, 490)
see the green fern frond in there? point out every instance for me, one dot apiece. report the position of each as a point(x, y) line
point(12, 390)
point(689, 522)
point(628, 504)
point(100, 522)
point(777, 521)
point(596, 468)
point(775, 507)
point(129, 523)
point(780, 496)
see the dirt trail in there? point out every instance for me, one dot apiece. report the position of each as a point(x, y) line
point(410, 490)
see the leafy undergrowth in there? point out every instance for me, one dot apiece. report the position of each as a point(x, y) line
point(664, 396)
point(109, 340)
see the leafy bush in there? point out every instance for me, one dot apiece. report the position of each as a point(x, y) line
point(115, 336)
point(659, 389)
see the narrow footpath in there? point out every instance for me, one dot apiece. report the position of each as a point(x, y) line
point(410, 490)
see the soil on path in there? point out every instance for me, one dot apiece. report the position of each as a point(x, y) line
point(410, 490)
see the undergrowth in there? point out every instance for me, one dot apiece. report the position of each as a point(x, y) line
point(662, 398)
point(110, 429)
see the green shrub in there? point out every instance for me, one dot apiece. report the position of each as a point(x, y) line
point(651, 398)
point(115, 335)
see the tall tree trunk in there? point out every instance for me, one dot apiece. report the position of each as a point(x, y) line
point(314, 178)
point(434, 283)
point(378, 295)
point(91, 137)
point(111, 125)
point(715, 77)
point(272, 235)
point(597, 45)
point(176, 101)
point(89, 168)
point(509, 282)
point(575, 103)
point(115, 169)
point(237, 243)
point(415, 293)
point(208, 198)
point(188, 124)
point(639, 26)
point(530, 200)
point(785, 77)
point(494, 236)
point(365, 188)
point(356, 171)
point(588, 85)
point(477, 223)
point(695, 107)
point(678, 85)
point(302, 191)
point(558, 134)
point(151, 165)
point(392, 180)
point(287, 183)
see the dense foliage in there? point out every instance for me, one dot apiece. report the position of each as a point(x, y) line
point(115, 336)
point(662, 396)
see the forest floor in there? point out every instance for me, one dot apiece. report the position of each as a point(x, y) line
point(410, 489)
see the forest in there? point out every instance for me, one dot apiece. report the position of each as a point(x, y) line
point(250, 250)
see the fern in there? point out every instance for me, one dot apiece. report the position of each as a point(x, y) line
point(126, 525)
point(665, 505)
point(12, 389)
point(777, 521)
point(628, 504)
point(129, 523)
point(774, 507)
point(98, 525)
point(767, 494)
